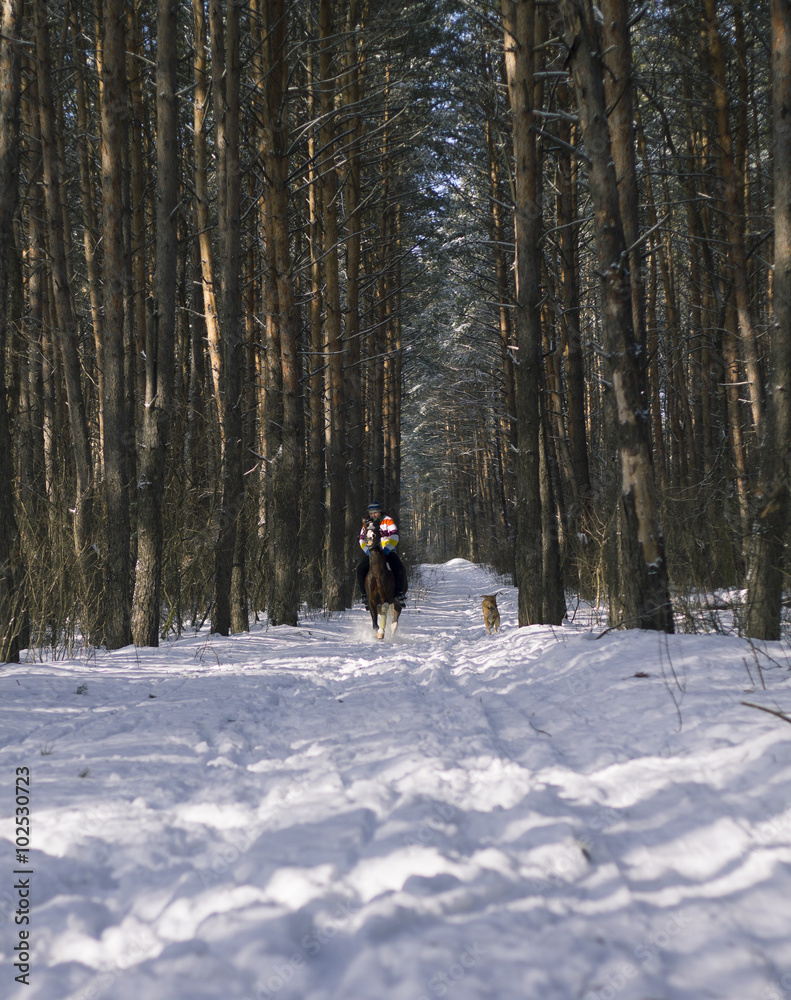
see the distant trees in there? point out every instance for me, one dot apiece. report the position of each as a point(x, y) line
point(687, 116)
point(505, 266)
point(204, 309)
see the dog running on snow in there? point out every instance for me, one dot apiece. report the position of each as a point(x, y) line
point(491, 616)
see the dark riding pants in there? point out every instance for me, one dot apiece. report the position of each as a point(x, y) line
point(395, 565)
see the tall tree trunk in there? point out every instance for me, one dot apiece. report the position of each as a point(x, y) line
point(117, 621)
point(286, 469)
point(11, 594)
point(84, 526)
point(138, 311)
point(508, 434)
point(734, 215)
point(733, 400)
point(230, 602)
point(33, 485)
point(235, 498)
point(575, 371)
point(645, 581)
point(39, 338)
point(337, 577)
point(90, 226)
point(202, 215)
point(765, 582)
point(379, 311)
point(619, 94)
point(392, 389)
point(519, 27)
point(554, 599)
point(314, 535)
point(159, 360)
point(351, 91)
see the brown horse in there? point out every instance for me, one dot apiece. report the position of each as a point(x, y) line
point(379, 583)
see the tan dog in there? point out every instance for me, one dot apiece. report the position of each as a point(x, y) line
point(491, 616)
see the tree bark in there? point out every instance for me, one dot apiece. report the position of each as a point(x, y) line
point(337, 576)
point(575, 370)
point(765, 581)
point(202, 214)
point(619, 94)
point(11, 593)
point(645, 582)
point(287, 465)
point(90, 225)
point(230, 601)
point(117, 603)
point(67, 332)
point(160, 360)
point(508, 428)
point(351, 91)
point(313, 535)
point(519, 27)
point(138, 301)
point(734, 216)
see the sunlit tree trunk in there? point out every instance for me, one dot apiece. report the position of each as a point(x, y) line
point(314, 535)
point(734, 214)
point(201, 104)
point(507, 435)
point(733, 397)
point(765, 583)
point(34, 486)
point(159, 357)
point(90, 226)
point(117, 586)
point(570, 321)
point(619, 94)
point(376, 339)
point(337, 577)
point(138, 301)
point(351, 90)
point(67, 332)
point(643, 565)
point(230, 601)
point(11, 595)
point(287, 467)
point(519, 28)
point(392, 388)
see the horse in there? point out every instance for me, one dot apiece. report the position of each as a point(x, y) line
point(379, 583)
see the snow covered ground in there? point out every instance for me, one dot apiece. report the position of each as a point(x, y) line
point(306, 814)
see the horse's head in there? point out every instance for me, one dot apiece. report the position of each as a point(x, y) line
point(372, 535)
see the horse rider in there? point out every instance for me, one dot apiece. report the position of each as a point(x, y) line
point(388, 534)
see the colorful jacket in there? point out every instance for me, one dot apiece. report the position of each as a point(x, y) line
point(388, 533)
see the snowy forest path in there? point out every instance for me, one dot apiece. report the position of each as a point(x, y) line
point(311, 814)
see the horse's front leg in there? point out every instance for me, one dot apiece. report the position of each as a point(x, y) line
point(383, 609)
